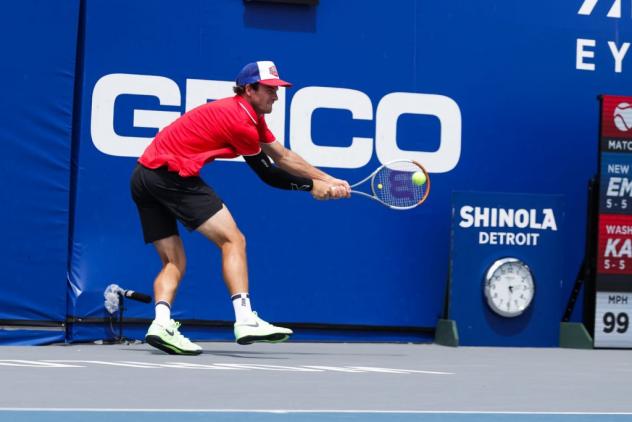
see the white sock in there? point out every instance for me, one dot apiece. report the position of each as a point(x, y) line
point(241, 304)
point(163, 312)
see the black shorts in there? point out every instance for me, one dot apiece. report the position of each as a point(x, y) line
point(162, 196)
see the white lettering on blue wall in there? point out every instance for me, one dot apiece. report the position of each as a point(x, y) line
point(586, 50)
point(304, 102)
point(521, 218)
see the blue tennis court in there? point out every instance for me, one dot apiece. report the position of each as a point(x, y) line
point(314, 382)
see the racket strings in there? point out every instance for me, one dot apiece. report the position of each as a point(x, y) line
point(395, 186)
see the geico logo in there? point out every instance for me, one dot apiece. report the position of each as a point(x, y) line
point(304, 102)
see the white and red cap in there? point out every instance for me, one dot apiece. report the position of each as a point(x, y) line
point(264, 72)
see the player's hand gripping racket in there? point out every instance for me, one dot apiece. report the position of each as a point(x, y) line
point(398, 184)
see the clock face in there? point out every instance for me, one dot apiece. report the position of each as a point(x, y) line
point(509, 287)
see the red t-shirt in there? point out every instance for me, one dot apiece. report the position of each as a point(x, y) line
point(224, 128)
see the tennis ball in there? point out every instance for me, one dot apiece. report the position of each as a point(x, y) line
point(623, 117)
point(419, 178)
point(379, 186)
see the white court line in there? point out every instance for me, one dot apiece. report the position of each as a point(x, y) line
point(63, 363)
point(363, 411)
point(264, 367)
point(333, 368)
point(188, 365)
point(144, 365)
point(398, 371)
point(35, 364)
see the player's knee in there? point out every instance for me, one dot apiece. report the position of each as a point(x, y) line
point(240, 240)
point(237, 240)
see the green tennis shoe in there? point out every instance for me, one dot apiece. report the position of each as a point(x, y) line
point(168, 339)
point(259, 330)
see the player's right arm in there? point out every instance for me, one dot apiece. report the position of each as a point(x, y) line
point(281, 179)
point(293, 163)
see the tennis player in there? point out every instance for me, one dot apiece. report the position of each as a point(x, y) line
point(166, 187)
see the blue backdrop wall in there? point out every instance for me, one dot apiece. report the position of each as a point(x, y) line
point(494, 96)
point(38, 44)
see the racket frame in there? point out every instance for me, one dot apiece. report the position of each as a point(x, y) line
point(374, 195)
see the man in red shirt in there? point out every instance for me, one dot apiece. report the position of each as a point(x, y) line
point(166, 187)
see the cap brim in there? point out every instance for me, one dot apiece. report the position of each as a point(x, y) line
point(275, 82)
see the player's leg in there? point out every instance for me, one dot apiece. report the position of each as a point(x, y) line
point(164, 332)
point(160, 229)
point(222, 230)
point(171, 252)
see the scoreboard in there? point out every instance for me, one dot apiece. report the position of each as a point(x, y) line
point(613, 305)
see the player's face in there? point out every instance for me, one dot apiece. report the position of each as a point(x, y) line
point(262, 98)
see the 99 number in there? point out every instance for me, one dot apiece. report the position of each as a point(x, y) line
point(620, 322)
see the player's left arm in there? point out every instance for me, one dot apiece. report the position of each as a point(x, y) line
point(293, 163)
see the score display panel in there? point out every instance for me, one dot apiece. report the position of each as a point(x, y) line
point(613, 305)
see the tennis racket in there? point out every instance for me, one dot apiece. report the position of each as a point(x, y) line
point(398, 184)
